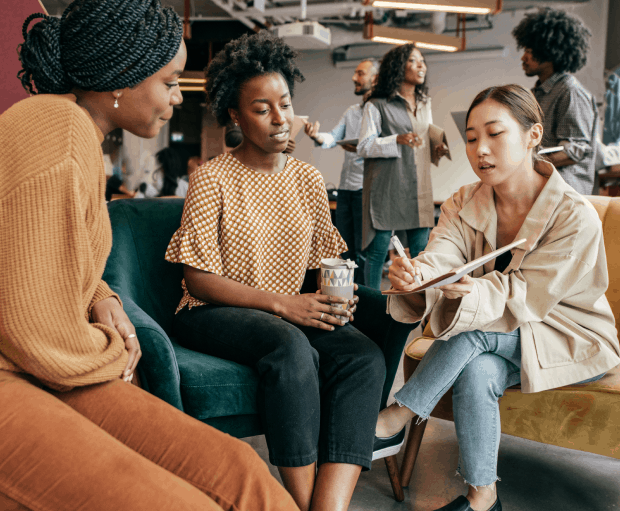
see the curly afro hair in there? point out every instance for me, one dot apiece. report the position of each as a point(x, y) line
point(392, 74)
point(243, 59)
point(554, 36)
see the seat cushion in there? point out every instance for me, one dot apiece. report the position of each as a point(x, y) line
point(585, 417)
point(214, 387)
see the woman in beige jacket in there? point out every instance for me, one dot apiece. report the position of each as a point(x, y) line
point(536, 316)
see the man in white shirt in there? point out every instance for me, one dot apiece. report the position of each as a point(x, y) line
point(349, 210)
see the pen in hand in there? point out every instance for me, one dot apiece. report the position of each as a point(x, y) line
point(401, 252)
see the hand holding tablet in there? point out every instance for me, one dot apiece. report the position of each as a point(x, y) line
point(457, 273)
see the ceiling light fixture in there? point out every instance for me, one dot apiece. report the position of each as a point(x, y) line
point(192, 80)
point(187, 88)
point(425, 40)
point(428, 46)
point(457, 6)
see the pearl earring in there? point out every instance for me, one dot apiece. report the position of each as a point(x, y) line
point(116, 103)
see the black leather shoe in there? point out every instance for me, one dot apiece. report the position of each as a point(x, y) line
point(462, 504)
point(389, 446)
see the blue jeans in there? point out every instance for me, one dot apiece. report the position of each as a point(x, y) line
point(349, 224)
point(480, 366)
point(378, 249)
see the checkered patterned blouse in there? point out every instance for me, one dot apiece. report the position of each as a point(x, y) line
point(262, 230)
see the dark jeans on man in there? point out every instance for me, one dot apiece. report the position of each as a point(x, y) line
point(349, 224)
point(319, 391)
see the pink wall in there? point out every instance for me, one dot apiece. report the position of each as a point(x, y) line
point(12, 16)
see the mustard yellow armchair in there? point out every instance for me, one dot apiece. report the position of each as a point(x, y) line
point(583, 417)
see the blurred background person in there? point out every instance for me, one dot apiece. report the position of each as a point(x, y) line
point(397, 151)
point(174, 166)
point(556, 45)
point(349, 208)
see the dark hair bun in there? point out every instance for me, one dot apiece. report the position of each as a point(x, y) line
point(40, 57)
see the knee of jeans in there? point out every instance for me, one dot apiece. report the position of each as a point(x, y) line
point(296, 356)
point(371, 361)
point(480, 378)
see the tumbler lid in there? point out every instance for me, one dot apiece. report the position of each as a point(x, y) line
point(336, 262)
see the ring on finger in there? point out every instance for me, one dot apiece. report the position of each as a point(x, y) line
point(321, 317)
point(131, 335)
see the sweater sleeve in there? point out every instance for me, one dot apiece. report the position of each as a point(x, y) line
point(102, 292)
point(49, 283)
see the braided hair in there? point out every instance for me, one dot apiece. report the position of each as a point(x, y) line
point(554, 36)
point(98, 45)
point(243, 59)
point(392, 74)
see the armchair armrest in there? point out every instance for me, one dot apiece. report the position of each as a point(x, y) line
point(158, 369)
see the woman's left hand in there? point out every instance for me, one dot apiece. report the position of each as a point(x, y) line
point(459, 289)
point(441, 150)
point(109, 312)
point(352, 302)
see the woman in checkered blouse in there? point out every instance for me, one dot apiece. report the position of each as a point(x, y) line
point(256, 223)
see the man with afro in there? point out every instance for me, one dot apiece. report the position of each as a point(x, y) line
point(556, 45)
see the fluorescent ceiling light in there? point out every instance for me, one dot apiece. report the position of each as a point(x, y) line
point(187, 88)
point(426, 40)
point(192, 80)
point(419, 44)
point(456, 6)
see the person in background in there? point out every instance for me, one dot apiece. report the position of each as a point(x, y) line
point(192, 164)
point(555, 45)
point(174, 165)
point(255, 226)
point(75, 433)
point(395, 144)
point(349, 210)
point(539, 317)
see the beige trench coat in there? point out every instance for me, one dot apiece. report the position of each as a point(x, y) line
point(553, 290)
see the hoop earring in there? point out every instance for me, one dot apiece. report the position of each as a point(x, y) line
point(116, 103)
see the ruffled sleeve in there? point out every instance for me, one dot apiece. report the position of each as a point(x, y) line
point(196, 243)
point(326, 240)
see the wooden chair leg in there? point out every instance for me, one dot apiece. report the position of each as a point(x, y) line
point(392, 468)
point(411, 451)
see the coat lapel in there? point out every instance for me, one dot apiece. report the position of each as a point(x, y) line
point(480, 214)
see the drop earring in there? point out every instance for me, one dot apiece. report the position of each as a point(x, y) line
point(116, 103)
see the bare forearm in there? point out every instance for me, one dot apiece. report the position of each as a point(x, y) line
point(220, 290)
point(560, 159)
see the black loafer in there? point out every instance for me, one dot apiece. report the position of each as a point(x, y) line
point(462, 504)
point(389, 446)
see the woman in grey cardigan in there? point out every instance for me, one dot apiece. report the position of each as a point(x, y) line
point(397, 152)
point(537, 316)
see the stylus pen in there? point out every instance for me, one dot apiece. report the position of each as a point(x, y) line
point(401, 252)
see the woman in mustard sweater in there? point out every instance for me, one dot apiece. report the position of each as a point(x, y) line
point(74, 433)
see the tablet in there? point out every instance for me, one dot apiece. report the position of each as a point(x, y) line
point(350, 141)
point(547, 150)
point(457, 273)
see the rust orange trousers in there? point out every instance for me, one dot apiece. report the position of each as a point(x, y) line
point(113, 446)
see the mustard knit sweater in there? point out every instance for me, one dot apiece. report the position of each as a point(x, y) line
point(55, 237)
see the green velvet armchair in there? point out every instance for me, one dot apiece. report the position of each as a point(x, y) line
point(218, 392)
